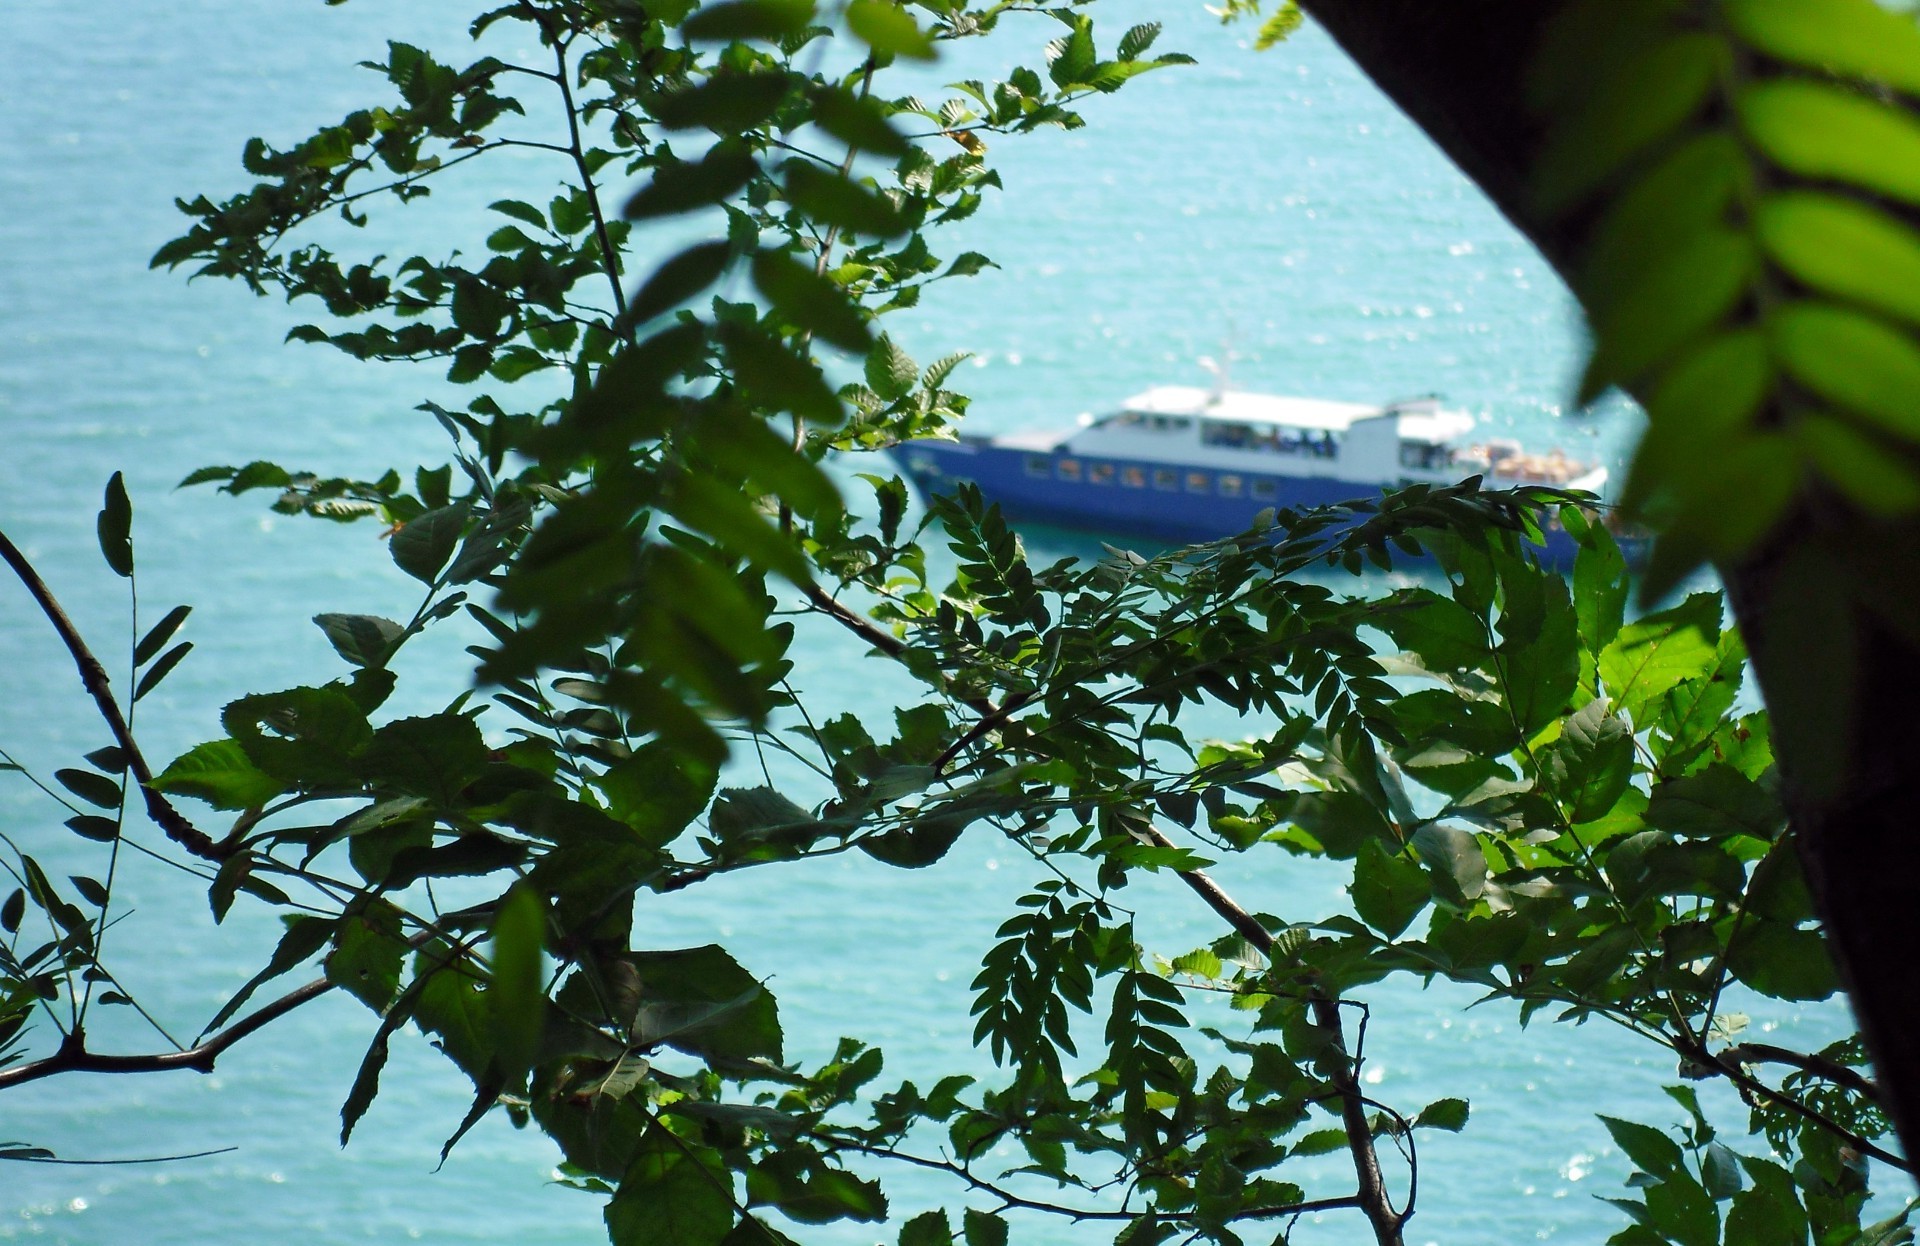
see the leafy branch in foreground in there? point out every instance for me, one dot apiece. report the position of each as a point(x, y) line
point(1533, 795)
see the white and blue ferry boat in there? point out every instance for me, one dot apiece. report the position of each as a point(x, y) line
point(1183, 463)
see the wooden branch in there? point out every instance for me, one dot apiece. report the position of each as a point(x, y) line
point(1827, 1070)
point(94, 676)
point(73, 1056)
point(1372, 1197)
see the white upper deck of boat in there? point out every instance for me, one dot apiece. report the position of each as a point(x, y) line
point(1421, 419)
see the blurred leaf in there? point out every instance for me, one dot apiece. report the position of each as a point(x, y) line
point(678, 279)
point(766, 20)
point(812, 301)
point(1856, 38)
point(686, 185)
point(516, 993)
point(831, 199)
point(889, 29)
point(1823, 132)
point(1856, 361)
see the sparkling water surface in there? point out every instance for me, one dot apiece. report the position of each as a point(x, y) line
point(1272, 207)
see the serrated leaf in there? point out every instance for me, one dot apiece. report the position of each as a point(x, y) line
point(422, 547)
point(362, 639)
point(1447, 1114)
point(1654, 653)
point(890, 371)
point(1388, 890)
point(220, 773)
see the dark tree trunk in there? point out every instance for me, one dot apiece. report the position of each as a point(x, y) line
point(1456, 67)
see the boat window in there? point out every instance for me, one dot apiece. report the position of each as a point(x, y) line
point(1100, 473)
point(1266, 490)
point(1231, 486)
point(1125, 419)
point(1067, 469)
point(1425, 455)
point(1133, 477)
point(1199, 482)
point(1165, 478)
point(1215, 433)
point(1039, 465)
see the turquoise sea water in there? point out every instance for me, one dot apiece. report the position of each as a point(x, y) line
point(1273, 204)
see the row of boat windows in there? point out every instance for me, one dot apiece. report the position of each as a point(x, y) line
point(1164, 479)
point(1270, 437)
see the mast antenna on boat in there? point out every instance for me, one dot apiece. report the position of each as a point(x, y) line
point(1220, 368)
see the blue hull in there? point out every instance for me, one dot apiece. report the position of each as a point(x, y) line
point(1140, 498)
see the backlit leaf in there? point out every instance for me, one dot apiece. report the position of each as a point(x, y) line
point(1826, 132)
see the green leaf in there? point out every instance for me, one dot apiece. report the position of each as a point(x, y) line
point(747, 1026)
point(1823, 132)
point(304, 937)
point(1591, 763)
point(1717, 803)
point(1447, 1114)
point(686, 185)
point(1388, 890)
point(1653, 654)
point(159, 634)
point(1683, 195)
point(680, 278)
point(1854, 360)
point(777, 379)
point(95, 789)
point(516, 994)
point(920, 843)
point(706, 505)
point(115, 526)
point(1668, 307)
point(1782, 961)
point(151, 677)
point(929, 1228)
point(984, 1228)
point(889, 29)
point(657, 791)
point(13, 911)
point(1636, 104)
point(812, 301)
point(858, 121)
point(726, 103)
point(1705, 400)
point(434, 757)
point(362, 639)
point(1455, 861)
point(890, 371)
point(1860, 465)
point(422, 547)
point(1843, 247)
point(220, 773)
point(1653, 1151)
point(368, 953)
point(1853, 38)
point(1275, 30)
point(830, 199)
point(1769, 1212)
point(767, 20)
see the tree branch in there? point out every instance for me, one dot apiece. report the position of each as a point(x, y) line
point(73, 1056)
point(94, 676)
point(1372, 1198)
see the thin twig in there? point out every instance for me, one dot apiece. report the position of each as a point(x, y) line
point(94, 676)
